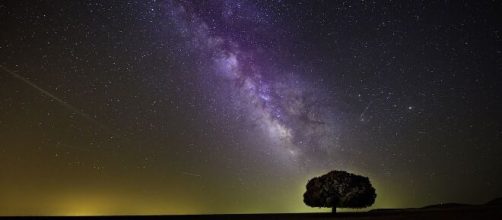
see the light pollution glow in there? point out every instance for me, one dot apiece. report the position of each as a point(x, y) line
point(80, 201)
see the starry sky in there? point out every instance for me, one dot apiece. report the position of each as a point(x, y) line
point(230, 106)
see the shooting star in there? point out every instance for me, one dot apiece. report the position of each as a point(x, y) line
point(190, 174)
point(361, 116)
point(50, 95)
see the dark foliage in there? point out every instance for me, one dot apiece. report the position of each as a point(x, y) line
point(339, 189)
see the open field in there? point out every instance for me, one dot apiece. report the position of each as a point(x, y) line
point(445, 211)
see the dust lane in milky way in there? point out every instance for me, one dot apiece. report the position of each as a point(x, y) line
point(278, 102)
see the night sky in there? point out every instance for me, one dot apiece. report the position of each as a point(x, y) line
point(230, 106)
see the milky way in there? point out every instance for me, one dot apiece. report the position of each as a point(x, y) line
point(231, 106)
point(280, 103)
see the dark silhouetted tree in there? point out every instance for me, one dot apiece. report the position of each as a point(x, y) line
point(339, 189)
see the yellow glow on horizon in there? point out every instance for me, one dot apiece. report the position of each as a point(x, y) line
point(175, 199)
point(101, 204)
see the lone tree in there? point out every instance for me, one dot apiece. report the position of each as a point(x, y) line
point(339, 189)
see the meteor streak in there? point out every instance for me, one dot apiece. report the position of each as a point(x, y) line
point(50, 95)
point(190, 174)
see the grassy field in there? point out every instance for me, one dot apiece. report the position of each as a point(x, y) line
point(443, 211)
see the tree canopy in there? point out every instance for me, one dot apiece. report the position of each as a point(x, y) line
point(339, 189)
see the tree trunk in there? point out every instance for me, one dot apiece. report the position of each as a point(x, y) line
point(333, 210)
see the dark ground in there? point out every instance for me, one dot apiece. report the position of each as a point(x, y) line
point(491, 210)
